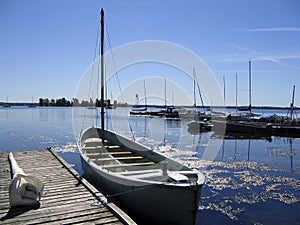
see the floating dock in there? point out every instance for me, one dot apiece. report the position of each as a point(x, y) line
point(67, 198)
point(256, 129)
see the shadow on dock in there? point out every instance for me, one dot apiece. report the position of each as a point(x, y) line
point(17, 211)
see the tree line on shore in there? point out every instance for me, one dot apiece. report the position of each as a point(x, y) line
point(74, 102)
point(54, 102)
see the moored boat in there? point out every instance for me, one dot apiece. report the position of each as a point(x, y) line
point(200, 126)
point(149, 186)
point(139, 110)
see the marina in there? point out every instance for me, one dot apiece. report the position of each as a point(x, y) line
point(68, 198)
point(248, 178)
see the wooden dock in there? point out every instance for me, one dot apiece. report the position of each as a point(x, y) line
point(67, 197)
point(255, 129)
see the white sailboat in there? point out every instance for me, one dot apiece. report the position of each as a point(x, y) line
point(247, 113)
point(137, 109)
point(199, 122)
point(149, 186)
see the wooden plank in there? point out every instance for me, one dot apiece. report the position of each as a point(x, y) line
point(117, 153)
point(101, 146)
point(59, 213)
point(119, 158)
point(93, 147)
point(108, 153)
point(113, 146)
point(136, 172)
point(128, 164)
point(81, 216)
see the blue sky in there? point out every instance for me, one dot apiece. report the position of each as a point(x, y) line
point(46, 46)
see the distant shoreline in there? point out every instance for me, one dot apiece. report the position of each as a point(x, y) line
point(180, 106)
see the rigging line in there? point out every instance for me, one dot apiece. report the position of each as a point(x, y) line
point(107, 105)
point(199, 91)
point(91, 81)
point(118, 79)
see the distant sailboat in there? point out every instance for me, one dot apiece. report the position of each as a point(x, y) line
point(170, 110)
point(292, 112)
point(247, 111)
point(7, 105)
point(137, 109)
point(199, 122)
point(192, 113)
point(249, 108)
point(32, 105)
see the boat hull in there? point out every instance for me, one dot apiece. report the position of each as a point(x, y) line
point(146, 201)
point(149, 204)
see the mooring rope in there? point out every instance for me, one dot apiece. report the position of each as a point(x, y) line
point(134, 190)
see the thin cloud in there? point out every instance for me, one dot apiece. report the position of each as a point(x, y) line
point(240, 48)
point(273, 29)
point(244, 53)
point(275, 58)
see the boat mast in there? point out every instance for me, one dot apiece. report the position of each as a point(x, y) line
point(250, 90)
point(102, 71)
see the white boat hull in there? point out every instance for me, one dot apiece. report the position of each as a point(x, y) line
point(149, 204)
point(145, 201)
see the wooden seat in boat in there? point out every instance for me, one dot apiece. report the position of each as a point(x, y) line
point(113, 146)
point(95, 154)
point(120, 158)
point(102, 146)
point(127, 164)
point(92, 147)
point(117, 153)
point(135, 172)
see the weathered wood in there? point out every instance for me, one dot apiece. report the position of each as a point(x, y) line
point(120, 158)
point(109, 153)
point(67, 198)
point(128, 164)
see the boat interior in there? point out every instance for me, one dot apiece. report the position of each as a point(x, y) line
point(144, 165)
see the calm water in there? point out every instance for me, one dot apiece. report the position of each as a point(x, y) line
point(248, 181)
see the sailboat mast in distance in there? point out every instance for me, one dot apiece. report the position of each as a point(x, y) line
point(292, 104)
point(165, 92)
point(194, 74)
point(224, 90)
point(250, 88)
point(145, 94)
point(236, 92)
